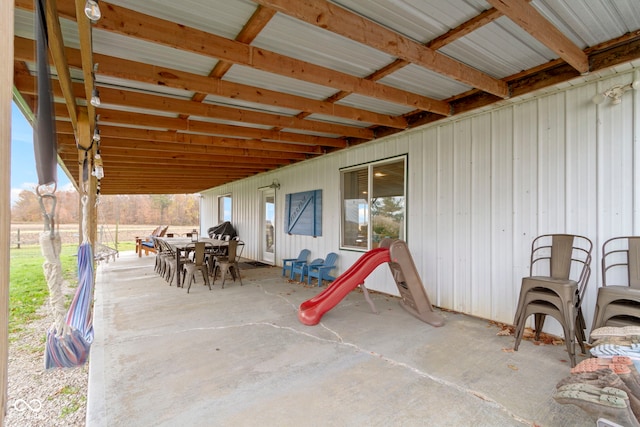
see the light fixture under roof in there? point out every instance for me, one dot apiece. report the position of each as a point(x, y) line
point(274, 185)
point(92, 10)
point(95, 98)
point(615, 92)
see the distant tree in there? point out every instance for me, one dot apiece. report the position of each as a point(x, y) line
point(26, 208)
point(387, 214)
point(67, 208)
point(185, 210)
point(173, 209)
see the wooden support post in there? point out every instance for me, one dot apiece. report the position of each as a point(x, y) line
point(85, 136)
point(6, 87)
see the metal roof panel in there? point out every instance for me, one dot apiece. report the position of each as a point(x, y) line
point(297, 39)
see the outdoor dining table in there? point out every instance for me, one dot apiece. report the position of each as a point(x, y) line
point(180, 244)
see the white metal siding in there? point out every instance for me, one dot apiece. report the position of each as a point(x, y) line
point(480, 188)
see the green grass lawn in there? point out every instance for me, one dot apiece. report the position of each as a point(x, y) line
point(126, 246)
point(28, 288)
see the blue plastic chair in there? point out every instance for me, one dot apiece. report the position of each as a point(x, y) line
point(303, 268)
point(288, 263)
point(321, 271)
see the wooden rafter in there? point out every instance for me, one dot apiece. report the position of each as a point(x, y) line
point(188, 107)
point(190, 140)
point(168, 135)
point(86, 63)
point(195, 126)
point(527, 17)
point(56, 46)
point(134, 24)
point(341, 21)
point(249, 32)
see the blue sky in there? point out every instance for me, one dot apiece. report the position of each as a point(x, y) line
point(23, 166)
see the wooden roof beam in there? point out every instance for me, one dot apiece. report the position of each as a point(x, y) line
point(56, 47)
point(249, 32)
point(532, 21)
point(184, 151)
point(110, 131)
point(195, 126)
point(112, 98)
point(134, 24)
point(348, 24)
point(140, 72)
point(86, 63)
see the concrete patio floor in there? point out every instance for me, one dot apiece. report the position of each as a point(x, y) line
point(238, 356)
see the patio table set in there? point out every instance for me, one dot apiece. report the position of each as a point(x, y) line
point(180, 258)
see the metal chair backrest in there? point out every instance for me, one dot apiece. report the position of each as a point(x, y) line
point(565, 257)
point(198, 249)
point(621, 262)
point(232, 252)
point(199, 253)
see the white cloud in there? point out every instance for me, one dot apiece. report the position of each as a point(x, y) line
point(15, 192)
point(67, 187)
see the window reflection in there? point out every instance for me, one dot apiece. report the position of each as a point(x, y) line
point(373, 199)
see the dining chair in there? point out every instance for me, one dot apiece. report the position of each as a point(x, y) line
point(198, 264)
point(559, 271)
point(165, 259)
point(618, 301)
point(229, 264)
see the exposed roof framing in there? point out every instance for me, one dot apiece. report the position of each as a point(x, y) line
point(192, 99)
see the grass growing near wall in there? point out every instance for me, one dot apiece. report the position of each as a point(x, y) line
point(28, 288)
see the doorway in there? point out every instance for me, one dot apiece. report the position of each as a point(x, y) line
point(268, 225)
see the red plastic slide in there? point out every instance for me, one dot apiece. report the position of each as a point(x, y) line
point(311, 311)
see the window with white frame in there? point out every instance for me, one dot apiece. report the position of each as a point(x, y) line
point(224, 208)
point(373, 203)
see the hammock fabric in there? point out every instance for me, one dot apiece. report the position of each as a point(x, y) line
point(45, 146)
point(69, 341)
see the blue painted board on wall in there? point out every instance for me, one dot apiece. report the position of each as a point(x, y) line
point(303, 213)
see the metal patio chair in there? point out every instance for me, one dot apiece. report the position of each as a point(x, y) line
point(618, 302)
point(559, 271)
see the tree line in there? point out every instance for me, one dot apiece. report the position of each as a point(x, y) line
point(175, 209)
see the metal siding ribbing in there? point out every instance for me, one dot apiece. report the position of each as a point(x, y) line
point(480, 223)
point(480, 188)
point(581, 197)
point(615, 157)
point(500, 290)
point(422, 205)
point(461, 232)
point(551, 165)
point(445, 205)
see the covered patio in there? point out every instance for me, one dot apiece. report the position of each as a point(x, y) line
point(239, 356)
point(513, 120)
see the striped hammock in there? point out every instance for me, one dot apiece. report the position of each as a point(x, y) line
point(69, 340)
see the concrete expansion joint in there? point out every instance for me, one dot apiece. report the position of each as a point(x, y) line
point(295, 307)
point(484, 398)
